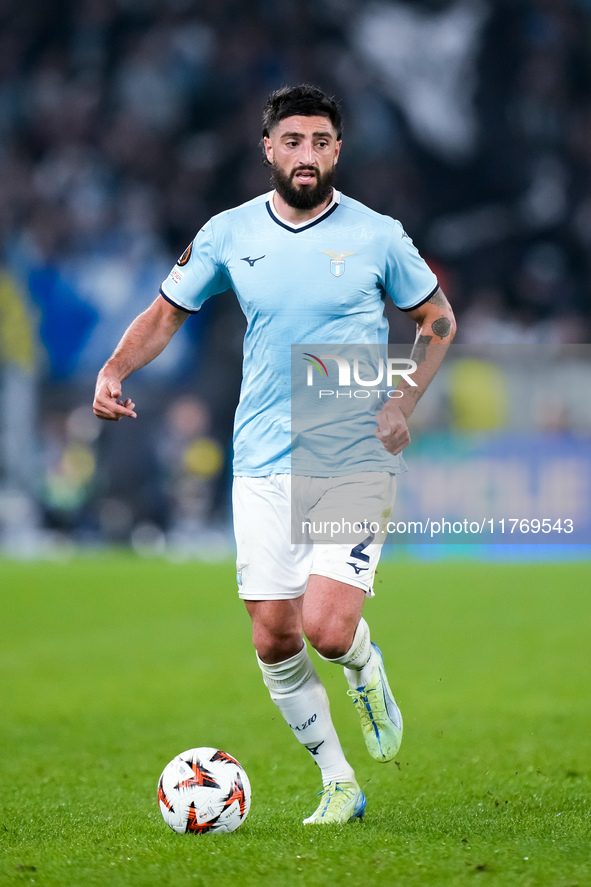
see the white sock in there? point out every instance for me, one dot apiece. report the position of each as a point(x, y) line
point(298, 693)
point(360, 661)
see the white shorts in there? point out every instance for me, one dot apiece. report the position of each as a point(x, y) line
point(340, 544)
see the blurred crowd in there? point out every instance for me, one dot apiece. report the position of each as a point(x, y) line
point(125, 124)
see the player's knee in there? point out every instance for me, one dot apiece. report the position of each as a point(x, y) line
point(276, 629)
point(275, 646)
point(329, 639)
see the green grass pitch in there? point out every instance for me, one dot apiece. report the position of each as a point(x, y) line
point(110, 666)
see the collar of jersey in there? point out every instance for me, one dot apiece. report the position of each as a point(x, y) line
point(303, 226)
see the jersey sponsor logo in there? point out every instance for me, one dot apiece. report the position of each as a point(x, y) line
point(186, 255)
point(337, 261)
point(176, 276)
point(251, 261)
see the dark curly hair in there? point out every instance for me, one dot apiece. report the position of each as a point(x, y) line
point(303, 100)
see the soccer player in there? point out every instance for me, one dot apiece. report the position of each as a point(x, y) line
point(308, 265)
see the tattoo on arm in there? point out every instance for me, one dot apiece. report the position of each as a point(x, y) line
point(438, 299)
point(419, 351)
point(441, 327)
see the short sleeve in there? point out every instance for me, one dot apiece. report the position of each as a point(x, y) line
point(408, 280)
point(197, 275)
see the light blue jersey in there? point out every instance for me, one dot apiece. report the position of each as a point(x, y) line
point(324, 280)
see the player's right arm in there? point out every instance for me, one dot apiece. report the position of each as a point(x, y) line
point(145, 338)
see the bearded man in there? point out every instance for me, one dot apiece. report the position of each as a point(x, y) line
point(308, 265)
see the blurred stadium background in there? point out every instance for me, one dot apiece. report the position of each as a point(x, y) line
point(125, 124)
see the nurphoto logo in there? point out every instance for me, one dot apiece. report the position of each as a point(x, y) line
point(385, 372)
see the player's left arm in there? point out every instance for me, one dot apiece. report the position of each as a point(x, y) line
point(436, 327)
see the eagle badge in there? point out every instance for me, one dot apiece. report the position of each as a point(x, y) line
point(337, 261)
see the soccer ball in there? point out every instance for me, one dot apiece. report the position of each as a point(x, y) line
point(204, 790)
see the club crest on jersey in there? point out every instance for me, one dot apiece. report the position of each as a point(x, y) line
point(337, 261)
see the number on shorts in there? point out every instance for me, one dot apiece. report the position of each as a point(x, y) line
point(357, 551)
